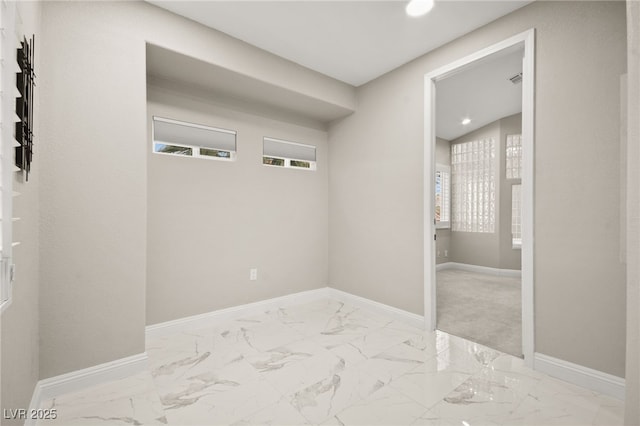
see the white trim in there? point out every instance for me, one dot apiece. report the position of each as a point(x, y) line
point(125, 367)
point(528, 90)
point(527, 206)
point(455, 66)
point(430, 319)
point(399, 314)
point(36, 401)
point(195, 322)
point(212, 318)
point(582, 376)
point(81, 379)
point(480, 269)
point(287, 163)
point(195, 151)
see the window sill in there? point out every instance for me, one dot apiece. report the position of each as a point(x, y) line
point(312, 167)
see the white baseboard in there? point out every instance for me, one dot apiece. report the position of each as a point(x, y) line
point(477, 268)
point(399, 314)
point(80, 379)
point(125, 367)
point(212, 318)
point(580, 375)
point(77, 380)
point(36, 401)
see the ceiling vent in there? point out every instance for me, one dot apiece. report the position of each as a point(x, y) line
point(516, 79)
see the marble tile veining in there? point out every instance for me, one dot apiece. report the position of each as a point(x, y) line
point(131, 401)
point(330, 363)
point(281, 413)
point(385, 407)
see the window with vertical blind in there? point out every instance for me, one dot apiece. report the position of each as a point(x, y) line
point(516, 215)
point(513, 156)
point(443, 196)
point(473, 186)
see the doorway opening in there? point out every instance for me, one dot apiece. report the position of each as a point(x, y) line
point(479, 191)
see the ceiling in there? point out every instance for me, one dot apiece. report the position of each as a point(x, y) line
point(481, 92)
point(352, 41)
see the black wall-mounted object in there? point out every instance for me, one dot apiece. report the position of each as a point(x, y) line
point(25, 81)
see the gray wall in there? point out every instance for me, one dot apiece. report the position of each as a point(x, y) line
point(210, 221)
point(376, 180)
point(93, 174)
point(93, 178)
point(443, 236)
point(19, 328)
point(632, 380)
point(93, 187)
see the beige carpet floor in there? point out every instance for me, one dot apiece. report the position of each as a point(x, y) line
point(481, 307)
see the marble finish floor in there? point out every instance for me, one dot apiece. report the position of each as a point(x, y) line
point(481, 307)
point(329, 363)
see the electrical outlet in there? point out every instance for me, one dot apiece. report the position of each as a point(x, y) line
point(253, 274)
point(446, 253)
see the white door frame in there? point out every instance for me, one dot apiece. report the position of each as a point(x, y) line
point(528, 81)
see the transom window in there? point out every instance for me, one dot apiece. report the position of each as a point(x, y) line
point(173, 137)
point(281, 153)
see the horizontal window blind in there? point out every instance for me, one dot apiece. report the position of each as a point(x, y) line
point(173, 132)
point(292, 150)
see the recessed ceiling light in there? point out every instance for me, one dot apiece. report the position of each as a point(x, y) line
point(418, 7)
point(466, 121)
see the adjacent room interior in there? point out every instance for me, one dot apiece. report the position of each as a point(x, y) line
point(219, 213)
point(478, 162)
